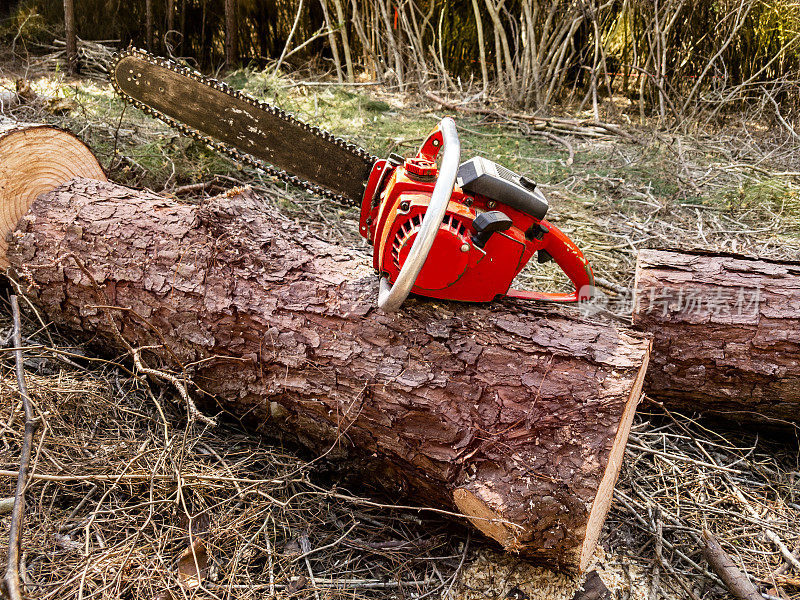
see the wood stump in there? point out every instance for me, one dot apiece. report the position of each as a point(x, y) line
point(34, 159)
point(726, 333)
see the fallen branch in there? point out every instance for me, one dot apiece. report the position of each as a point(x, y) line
point(561, 125)
point(737, 582)
point(558, 139)
point(784, 568)
point(191, 188)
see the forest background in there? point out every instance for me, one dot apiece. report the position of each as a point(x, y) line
point(670, 58)
point(648, 123)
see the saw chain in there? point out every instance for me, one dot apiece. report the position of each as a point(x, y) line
point(232, 152)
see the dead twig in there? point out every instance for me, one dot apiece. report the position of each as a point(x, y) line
point(289, 39)
point(136, 354)
point(11, 578)
point(191, 408)
point(559, 140)
point(659, 537)
point(737, 582)
point(191, 188)
point(559, 125)
point(784, 568)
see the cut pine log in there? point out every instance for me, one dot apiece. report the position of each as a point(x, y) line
point(726, 333)
point(514, 417)
point(34, 159)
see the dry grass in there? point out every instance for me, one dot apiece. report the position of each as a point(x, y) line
point(682, 476)
point(123, 488)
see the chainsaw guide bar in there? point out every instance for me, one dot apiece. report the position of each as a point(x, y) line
point(249, 131)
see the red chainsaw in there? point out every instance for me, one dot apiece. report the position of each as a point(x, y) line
point(453, 230)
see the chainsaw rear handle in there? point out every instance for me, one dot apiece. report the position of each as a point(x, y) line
point(571, 260)
point(390, 297)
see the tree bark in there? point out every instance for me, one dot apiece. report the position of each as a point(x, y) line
point(515, 417)
point(71, 36)
point(726, 333)
point(34, 159)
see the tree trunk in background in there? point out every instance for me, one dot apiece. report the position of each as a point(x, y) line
point(368, 53)
point(332, 40)
point(149, 24)
point(481, 48)
point(392, 43)
point(169, 40)
point(183, 21)
point(203, 25)
point(342, 26)
point(726, 334)
point(515, 417)
point(231, 41)
point(71, 36)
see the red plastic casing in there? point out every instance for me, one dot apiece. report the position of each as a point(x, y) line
point(395, 201)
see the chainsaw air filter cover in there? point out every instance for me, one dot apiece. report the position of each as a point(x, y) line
point(481, 176)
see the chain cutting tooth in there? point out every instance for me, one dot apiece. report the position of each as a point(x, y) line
point(228, 150)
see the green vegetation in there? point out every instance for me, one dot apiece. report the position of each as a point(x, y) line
point(673, 58)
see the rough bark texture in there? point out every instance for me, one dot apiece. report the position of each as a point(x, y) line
point(515, 417)
point(34, 159)
point(726, 333)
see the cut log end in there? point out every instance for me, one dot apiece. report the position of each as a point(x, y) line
point(35, 159)
point(605, 491)
point(484, 508)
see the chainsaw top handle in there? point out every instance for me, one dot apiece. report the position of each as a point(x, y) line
point(390, 297)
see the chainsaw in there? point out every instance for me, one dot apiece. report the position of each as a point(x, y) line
point(440, 228)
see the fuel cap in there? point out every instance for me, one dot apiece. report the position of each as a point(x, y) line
point(421, 169)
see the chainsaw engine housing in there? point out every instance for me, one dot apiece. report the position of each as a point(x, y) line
point(460, 265)
point(493, 224)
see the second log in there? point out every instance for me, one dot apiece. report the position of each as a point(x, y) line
point(726, 334)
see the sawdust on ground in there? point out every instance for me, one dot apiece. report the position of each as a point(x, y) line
point(499, 576)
